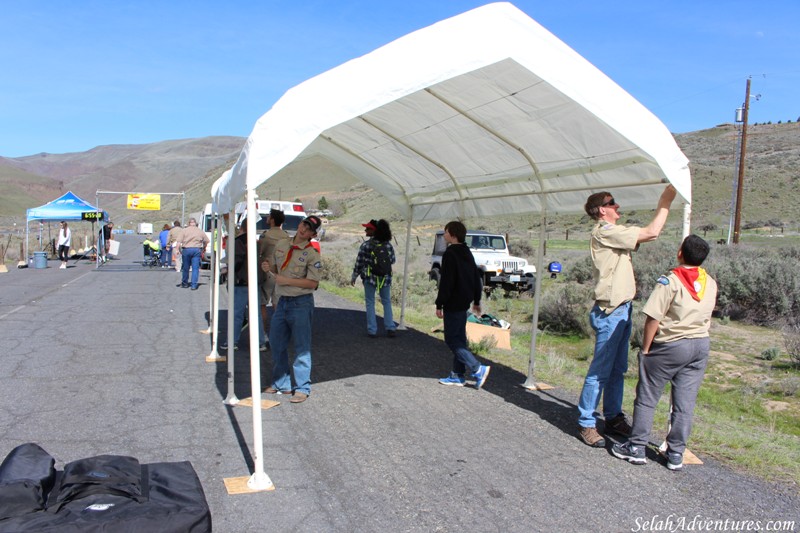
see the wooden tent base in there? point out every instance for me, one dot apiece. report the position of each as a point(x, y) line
point(265, 404)
point(537, 386)
point(238, 485)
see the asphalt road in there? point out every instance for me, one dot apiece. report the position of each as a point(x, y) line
point(112, 360)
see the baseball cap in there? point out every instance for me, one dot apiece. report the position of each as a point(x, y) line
point(313, 222)
point(372, 224)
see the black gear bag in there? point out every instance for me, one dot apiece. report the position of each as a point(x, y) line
point(108, 493)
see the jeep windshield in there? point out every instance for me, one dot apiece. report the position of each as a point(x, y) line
point(486, 242)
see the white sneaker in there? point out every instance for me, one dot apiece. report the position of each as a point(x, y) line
point(63, 266)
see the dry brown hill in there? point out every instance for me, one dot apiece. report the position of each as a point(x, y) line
point(192, 165)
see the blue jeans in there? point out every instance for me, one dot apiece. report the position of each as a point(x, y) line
point(606, 373)
point(385, 294)
point(166, 256)
point(191, 257)
point(292, 319)
point(455, 336)
point(239, 309)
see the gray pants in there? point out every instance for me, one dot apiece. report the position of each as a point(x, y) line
point(683, 363)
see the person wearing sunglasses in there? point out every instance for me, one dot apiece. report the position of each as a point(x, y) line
point(611, 246)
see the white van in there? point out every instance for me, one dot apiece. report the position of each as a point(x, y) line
point(293, 211)
point(206, 223)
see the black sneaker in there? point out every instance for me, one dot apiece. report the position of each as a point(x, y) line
point(618, 425)
point(674, 460)
point(629, 452)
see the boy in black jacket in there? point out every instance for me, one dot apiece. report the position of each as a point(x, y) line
point(460, 285)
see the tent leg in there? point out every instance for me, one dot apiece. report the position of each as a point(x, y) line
point(231, 399)
point(402, 323)
point(687, 219)
point(213, 329)
point(260, 480)
point(530, 382)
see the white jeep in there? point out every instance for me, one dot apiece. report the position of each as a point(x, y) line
point(500, 269)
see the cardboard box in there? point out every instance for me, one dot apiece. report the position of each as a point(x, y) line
point(476, 332)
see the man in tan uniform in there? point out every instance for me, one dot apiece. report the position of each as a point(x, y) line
point(675, 349)
point(297, 268)
point(610, 317)
point(266, 247)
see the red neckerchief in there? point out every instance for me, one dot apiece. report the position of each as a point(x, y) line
point(694, 279)
point(289, 255)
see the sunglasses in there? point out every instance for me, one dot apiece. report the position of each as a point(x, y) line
point(610, 202)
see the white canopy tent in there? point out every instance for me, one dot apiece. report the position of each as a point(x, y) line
point(482, 114)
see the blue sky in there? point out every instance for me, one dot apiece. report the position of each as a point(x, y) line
point(80, 74)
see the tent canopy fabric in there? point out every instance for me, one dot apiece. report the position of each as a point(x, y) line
point(67, 207)
point(481, 114)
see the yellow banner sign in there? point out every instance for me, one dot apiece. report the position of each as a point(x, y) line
point(145, 202)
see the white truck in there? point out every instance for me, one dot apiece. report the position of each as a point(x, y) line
point(500, 269)
point(293, 211)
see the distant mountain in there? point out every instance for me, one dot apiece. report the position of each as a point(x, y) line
point(168, 166)
point(771, 180)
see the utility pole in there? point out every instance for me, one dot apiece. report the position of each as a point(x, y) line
point(740, 182)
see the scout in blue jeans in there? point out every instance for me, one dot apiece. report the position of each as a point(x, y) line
point(296, 268)
point(610, 317)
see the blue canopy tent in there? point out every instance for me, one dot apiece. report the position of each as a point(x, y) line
point(67, 207)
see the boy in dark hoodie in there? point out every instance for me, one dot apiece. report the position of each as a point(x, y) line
point(460, 285)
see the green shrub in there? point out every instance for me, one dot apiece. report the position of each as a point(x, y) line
point(791, 340)
point(335, 271)
point(564, 308)
point(759, 286)
point(483, 347)
point(580, 271)
point(770, 354)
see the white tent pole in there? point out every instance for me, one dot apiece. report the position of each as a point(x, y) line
point(259, 480)
point(687, 220)
point(100, 240)
point(216, 252)
point(402, 324)
point(231, 399)
point(212, 267)
point(26, 242)
point(530, 382)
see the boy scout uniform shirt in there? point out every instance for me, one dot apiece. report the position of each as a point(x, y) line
point(611, 248)
point(303, 263)
point(269, 239)
point(679, 315)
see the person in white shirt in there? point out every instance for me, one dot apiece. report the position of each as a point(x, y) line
point(64, 243)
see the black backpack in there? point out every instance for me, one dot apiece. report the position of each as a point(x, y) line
point(380, 260)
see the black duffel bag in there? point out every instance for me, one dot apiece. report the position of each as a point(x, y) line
point(113, 493)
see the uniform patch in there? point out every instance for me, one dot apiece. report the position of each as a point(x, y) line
point(318, 264)
point(664, 280)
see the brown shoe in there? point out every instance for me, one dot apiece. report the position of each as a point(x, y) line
point(592, 438)
point(299, 397)
point(618, 425)
point(273, 390)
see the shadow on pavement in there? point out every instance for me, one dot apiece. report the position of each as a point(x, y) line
point(341, 350)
